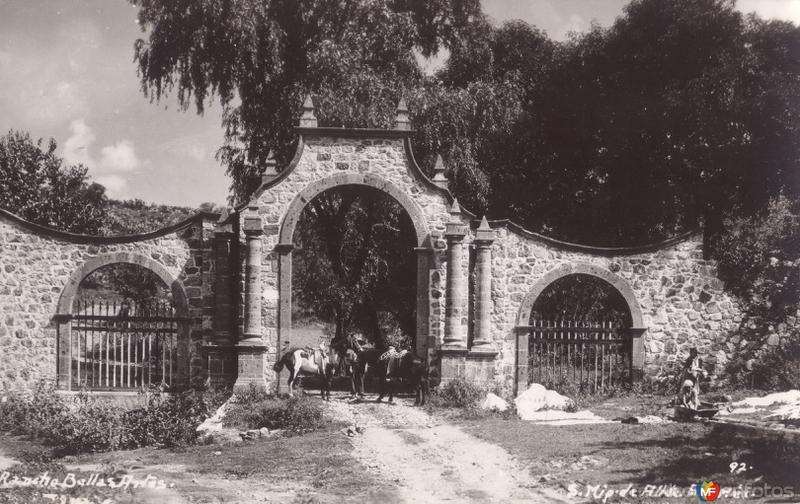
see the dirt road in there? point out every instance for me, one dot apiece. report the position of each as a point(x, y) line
point(434, 462)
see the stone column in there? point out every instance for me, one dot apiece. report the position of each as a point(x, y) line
point(637, 352)
point(220, 353)
point(284, 251)
point(223, 283)
point(455, 337)
point(484, 237)
point(251, 347)
point(521, 377)
point(423, 339)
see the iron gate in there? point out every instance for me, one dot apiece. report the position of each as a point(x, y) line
point(123, 345)
point(589, 356)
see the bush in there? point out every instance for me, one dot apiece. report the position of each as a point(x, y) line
point(251, 394)
point(168, 420)
point(775, 368)
point(295, 415)
point(458, 393)
point(88, 424)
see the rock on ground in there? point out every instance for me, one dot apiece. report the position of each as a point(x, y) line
point(494, 402)
point(538, 398)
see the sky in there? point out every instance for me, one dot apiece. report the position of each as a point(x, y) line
point(67, 72)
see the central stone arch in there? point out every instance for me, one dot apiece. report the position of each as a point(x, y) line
point(286, 245)
point(316, 188)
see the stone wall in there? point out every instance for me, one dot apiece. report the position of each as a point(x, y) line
point(680, 299)
point(40, 270)
point(672, 292)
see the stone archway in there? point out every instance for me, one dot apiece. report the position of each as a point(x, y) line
point(636, 330)
point(551, 276)
point(316, 188)
point(67, 298)
point(285, 247)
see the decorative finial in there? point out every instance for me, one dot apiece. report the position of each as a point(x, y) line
point(456, 228)
point(401, 121)
point(455, 209)
point(308, 119)
point(438, 173)
point(485, 233)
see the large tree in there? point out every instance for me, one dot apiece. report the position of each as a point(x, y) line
point(36, 185)
point(259, 59)
point(682, 110)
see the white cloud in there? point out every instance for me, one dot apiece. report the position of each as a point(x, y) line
point(120, 157)
point(115, 159)
point(76, 148)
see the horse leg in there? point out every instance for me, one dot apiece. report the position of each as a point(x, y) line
point(425, 391)
point(290, 382)
point(381, 388)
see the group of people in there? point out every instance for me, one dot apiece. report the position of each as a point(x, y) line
point(349, 356)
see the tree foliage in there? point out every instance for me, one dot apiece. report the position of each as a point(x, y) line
point(260, 58)
point(354, 265)
point(36, 185)
point(136, 216)
point(759, 259)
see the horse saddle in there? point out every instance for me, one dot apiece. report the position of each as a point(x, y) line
point(315, 355)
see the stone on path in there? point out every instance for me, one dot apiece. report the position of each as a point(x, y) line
point(494, 402)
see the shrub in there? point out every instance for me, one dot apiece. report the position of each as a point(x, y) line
point(168, 420)
point(295, 415)
point(776, 368)
point(88, 424)
point(251, 394)
point(458, 393)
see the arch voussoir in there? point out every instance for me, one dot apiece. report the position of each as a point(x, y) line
point(617, 282)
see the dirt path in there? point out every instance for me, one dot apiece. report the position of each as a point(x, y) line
point(432, 461)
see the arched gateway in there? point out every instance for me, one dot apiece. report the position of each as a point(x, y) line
point(476, 281)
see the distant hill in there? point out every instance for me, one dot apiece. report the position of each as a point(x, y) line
point(136, 216)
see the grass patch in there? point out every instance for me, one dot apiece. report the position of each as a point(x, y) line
point(295, 415)
point(457, 393)
point(674, 453)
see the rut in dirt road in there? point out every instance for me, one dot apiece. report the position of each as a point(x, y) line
point(432, 461)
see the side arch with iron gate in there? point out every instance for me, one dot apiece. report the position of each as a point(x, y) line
point(165, 328)
point(589, 354)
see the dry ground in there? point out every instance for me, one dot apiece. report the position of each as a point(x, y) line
point(407, 455)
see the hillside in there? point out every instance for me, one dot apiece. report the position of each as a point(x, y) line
point(137, 216)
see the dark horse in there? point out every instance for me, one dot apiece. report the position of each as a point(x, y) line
point(393, 371)
point(307, 361)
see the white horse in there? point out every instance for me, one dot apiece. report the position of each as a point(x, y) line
point(318, 361)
